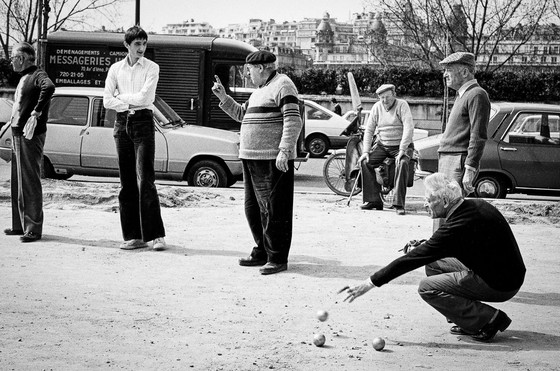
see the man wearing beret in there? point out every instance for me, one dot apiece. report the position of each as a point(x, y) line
point(392, 119)
point(463, 139)
point(270, 126)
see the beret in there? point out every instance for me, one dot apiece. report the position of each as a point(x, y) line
point(260, 57)
point(459, 58)
point(385, 87)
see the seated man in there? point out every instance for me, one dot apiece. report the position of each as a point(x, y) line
point(393, 120)
point(472, 257)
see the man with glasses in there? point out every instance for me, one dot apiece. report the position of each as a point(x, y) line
point(472, 258)
point(29, 126)
point(270, 126)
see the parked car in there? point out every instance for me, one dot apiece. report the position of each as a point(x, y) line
point(80, 141)
point(323, 129)
point(5, 110)
point(521, 155)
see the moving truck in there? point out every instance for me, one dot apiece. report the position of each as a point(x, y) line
point(187, 68)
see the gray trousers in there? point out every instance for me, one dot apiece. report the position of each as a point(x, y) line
point(26, 188)
point(456, 292)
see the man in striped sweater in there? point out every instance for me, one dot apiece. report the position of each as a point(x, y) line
point(270, 126)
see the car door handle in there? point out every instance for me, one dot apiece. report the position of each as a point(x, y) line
point(508, 149)
point(192, 104)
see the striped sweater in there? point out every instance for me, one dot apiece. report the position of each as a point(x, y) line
point(270, 119)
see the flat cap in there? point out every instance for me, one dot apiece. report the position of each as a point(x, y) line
point(385, 87)
point(260, 57)
point(459, 58)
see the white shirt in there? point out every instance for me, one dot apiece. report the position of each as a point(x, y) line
point(131, 87)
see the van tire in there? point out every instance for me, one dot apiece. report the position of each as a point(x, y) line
point(207, 173)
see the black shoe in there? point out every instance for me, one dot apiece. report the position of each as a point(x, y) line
point(400, 210)
point(371, 206)
point(30, 237)
point(487, 333)
point(251, 262)
point(456, 330)
point(271, 268)
point(12, 232)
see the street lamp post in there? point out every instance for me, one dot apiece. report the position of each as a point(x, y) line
point(137, 19)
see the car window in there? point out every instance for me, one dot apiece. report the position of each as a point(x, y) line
point(103, 117)
point(68, 110)
point(312, 113)
point(535, 128)
point(233, 77)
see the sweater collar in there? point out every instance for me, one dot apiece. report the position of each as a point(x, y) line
point(269, 79)
point(28, 70)
point(466, 87)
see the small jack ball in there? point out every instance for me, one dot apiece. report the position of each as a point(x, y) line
point(378, 344)
point(322, 315)
point(319, 340)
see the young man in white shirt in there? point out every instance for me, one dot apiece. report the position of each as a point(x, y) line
point(130, 89)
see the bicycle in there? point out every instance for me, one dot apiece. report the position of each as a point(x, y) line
point(340, 170)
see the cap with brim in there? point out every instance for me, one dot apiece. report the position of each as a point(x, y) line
point(260, 57)
point(384, 88)
point(459, 58)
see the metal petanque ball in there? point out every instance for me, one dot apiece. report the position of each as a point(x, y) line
point(378, 344)
point(319, 340)
point(322, 315)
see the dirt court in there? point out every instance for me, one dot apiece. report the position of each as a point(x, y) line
point(74, 301)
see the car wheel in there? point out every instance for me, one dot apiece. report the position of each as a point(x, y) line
point(317, 145)
point(50, 172)
point(207, 173)
point(490, 186)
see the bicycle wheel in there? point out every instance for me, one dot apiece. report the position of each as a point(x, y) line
point(334, 175)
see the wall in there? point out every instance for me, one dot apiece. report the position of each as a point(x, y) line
point(426, 112)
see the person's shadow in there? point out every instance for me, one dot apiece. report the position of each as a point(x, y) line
point(507, 341)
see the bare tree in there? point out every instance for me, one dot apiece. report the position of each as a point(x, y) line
point(431, 29)
point(19, 18)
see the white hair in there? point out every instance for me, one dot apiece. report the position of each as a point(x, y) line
point(441, 186)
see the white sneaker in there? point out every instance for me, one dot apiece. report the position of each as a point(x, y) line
point(133, 244)
point(159, 244)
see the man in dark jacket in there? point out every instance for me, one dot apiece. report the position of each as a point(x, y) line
point(472, 257)
point(29, 126)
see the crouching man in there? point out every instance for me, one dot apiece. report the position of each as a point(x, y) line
point(472, 258)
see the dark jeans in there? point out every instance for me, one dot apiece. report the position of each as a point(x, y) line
point(269, 202)
point(138, 199)
point(370, 186)
point(26, 188)
point(456, 292)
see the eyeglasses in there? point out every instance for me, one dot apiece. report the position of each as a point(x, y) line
point(16, 56)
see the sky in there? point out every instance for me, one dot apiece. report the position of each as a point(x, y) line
point(154, 14)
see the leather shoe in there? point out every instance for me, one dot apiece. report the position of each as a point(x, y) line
point(271, 268)
point(371, 206)
point(487, 333)
point(400, 210)
point(456, 330)
point(251, 262)
point(30, 237)
point(13, 232)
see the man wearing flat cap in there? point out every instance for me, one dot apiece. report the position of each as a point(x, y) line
point(270, 126)
point(392, 119)
point(463, 139)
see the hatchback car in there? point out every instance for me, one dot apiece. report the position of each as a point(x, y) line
point(323, 129)
point(80, 141)
point(521, 155)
